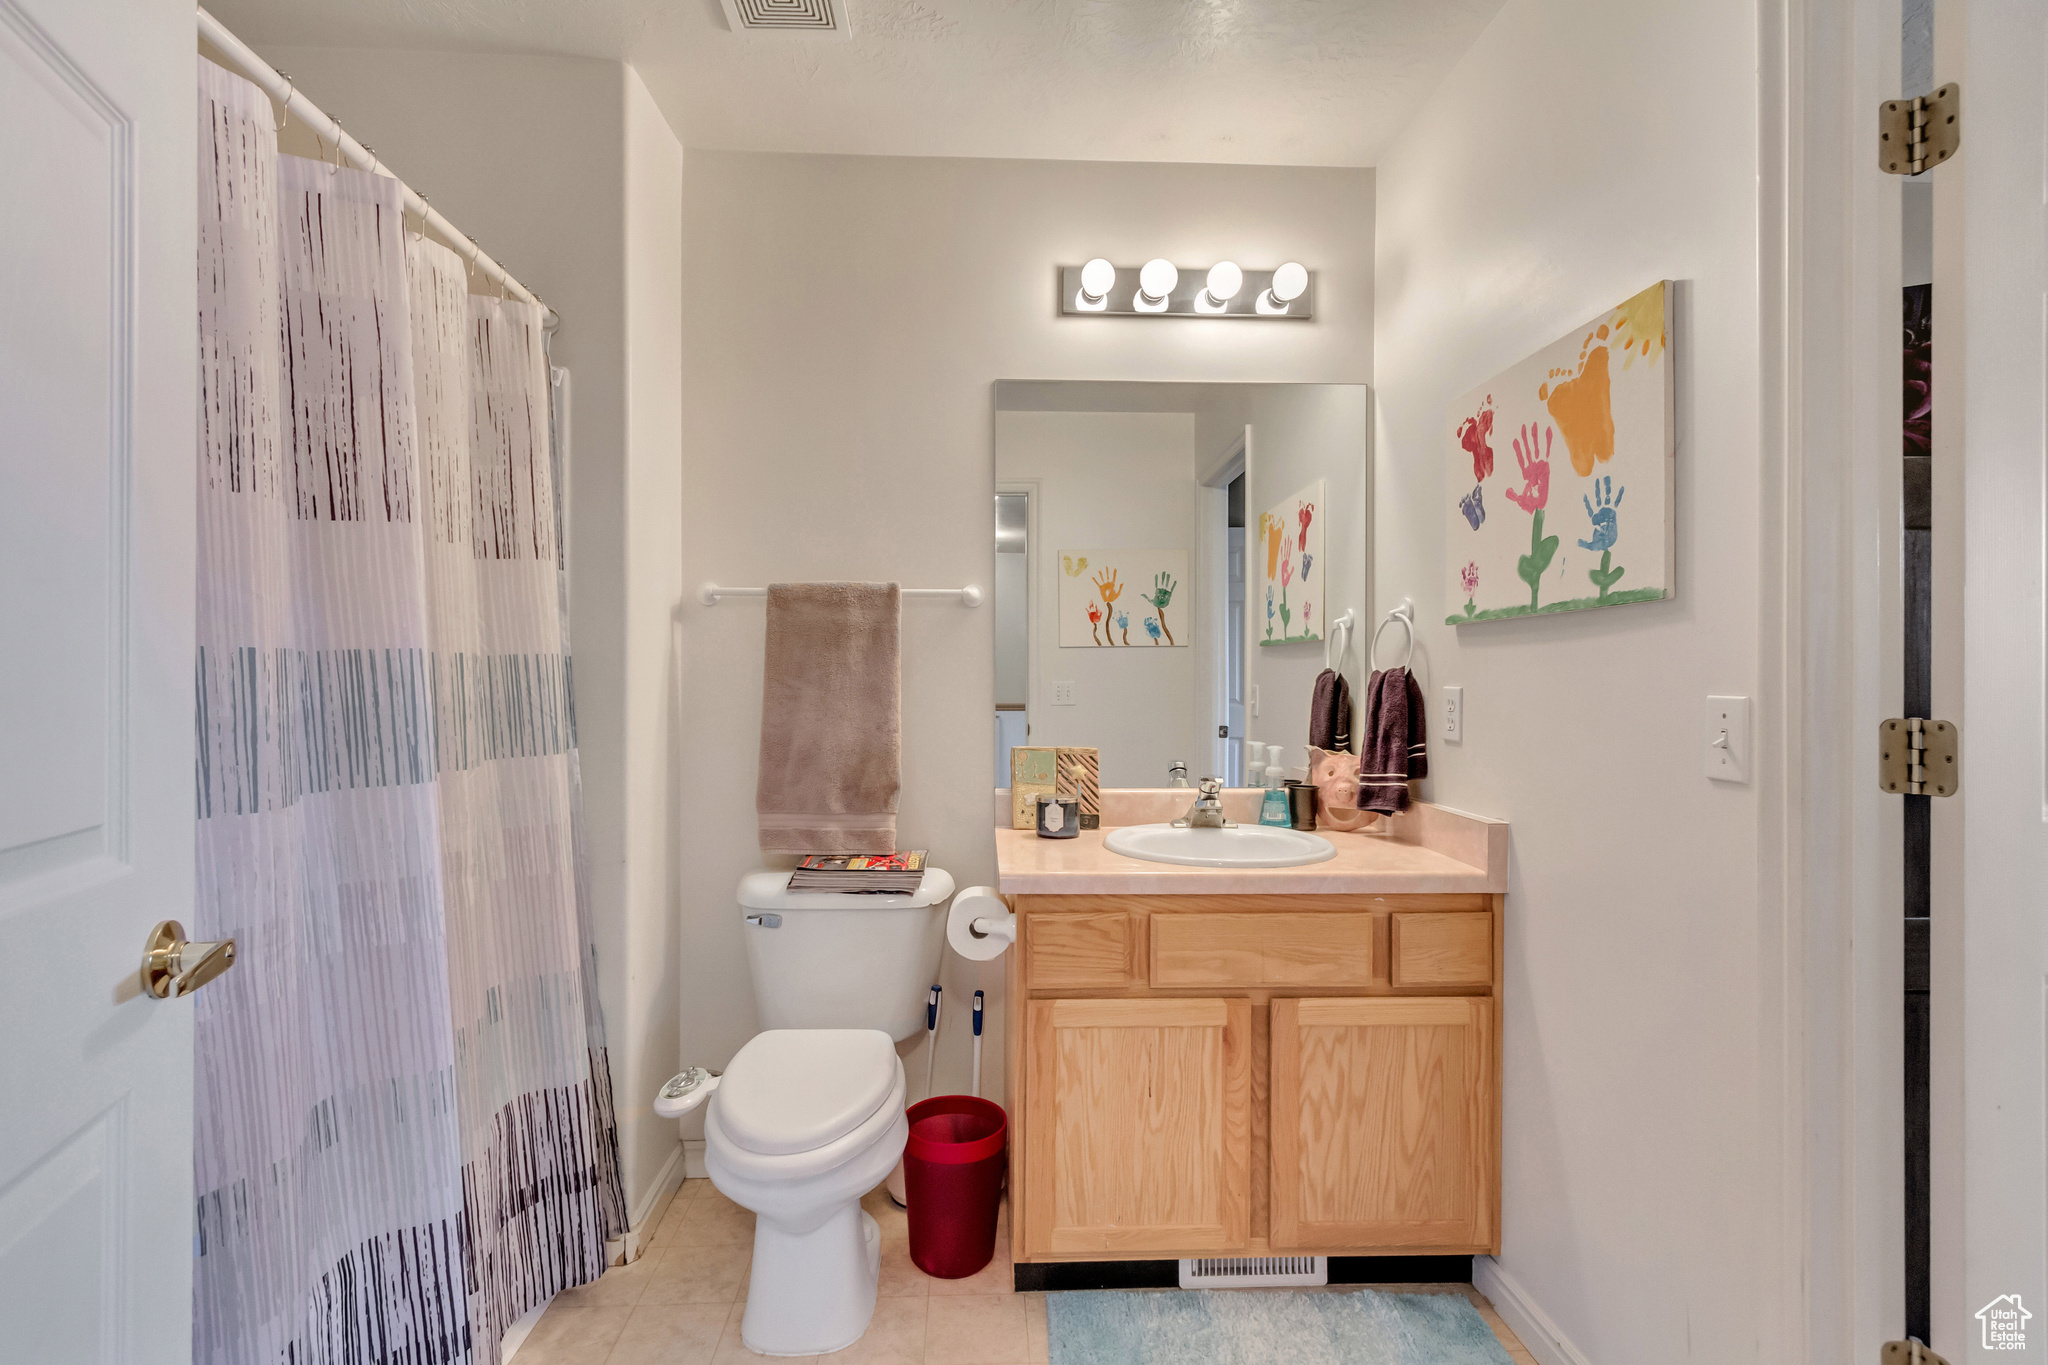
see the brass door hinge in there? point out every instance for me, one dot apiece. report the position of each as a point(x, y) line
point(1919, 134)
point(1917, 757)
point(1909, 1352)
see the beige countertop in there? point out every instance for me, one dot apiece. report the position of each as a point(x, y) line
point(1426, 850)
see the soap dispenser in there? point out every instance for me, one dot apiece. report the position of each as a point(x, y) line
point(1273, 810)
point(1276, 776)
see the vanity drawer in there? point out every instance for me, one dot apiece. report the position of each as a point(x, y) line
point(1080, 948)
point(1441, 951)
point(1272, 949)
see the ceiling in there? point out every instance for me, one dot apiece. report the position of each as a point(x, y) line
point(1277, 82)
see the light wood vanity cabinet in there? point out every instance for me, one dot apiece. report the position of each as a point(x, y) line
point(1201, 1075)
point(1382, 1124)
point(1139, 1125)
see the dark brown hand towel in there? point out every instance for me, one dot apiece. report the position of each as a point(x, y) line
point(831, 719)
point(1329, 713)
point(1396, 743)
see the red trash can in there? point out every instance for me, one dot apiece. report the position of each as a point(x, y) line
point(953, 1173)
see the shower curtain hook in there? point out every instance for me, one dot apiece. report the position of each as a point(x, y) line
point(290, 88)
point(426, 205)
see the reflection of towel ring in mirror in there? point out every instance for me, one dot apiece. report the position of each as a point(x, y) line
point(1405, 614)
point(1347, 623)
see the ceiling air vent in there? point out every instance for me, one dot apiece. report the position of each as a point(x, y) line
point(789, 18)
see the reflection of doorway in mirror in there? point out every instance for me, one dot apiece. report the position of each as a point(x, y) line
point(1012, 602)
point(1233, 632)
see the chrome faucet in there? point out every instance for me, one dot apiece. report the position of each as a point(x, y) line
point(1207, 812)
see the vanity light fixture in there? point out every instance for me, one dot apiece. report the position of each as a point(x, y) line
point(1289, 282)
point(1225, 279)
point(1159, 288)
point(1156, 283)
point(1098, 277)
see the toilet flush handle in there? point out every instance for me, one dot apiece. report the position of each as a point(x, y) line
point(765, 921)
point(685, 1091)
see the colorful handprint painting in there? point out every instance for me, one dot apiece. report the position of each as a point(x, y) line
point(1123, 599)
point(1589, 418)
point(1292, 536)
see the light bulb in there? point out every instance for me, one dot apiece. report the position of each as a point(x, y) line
point(1289, 281)
point(1098, 277)
point(1225, 279)
point(1156, 281)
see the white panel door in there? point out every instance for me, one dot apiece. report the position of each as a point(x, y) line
point(97, 366)
point(2002, 375)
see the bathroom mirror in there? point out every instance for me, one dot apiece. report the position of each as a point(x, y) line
point(1170, 561)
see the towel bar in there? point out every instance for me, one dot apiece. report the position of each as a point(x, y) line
point(969, 596)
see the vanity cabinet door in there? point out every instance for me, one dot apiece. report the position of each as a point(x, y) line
point(1137, 1121)
point(1385, 1124)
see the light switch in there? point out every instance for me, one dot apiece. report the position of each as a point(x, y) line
point(1255, 699)
point(1727, 739)
point(1454, 715)
point(1062, 694)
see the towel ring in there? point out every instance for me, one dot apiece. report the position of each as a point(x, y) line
point(1405, 614)
point(1347, 623)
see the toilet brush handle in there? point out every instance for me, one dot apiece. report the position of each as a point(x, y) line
point(977, 1044)
point(931, 1050)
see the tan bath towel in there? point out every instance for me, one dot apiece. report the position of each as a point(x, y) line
point(831, 719)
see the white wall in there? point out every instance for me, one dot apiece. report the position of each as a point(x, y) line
point(643, 1038)
point(849, 316)
point(1110, 480)
point(1581, 150)
point(566, 174)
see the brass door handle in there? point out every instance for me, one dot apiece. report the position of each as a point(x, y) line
point(173, 965)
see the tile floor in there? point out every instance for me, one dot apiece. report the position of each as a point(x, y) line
point(680, 1303)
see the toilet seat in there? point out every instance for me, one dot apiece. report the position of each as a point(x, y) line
point(795, 1090)
point(813, 1094)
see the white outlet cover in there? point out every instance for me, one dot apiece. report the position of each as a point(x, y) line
point(1453, 726)
point(1726, 739)
point(1062, 694)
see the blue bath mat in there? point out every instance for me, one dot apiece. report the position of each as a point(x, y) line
point(1240, 1327)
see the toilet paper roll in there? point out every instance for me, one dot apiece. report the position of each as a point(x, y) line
point(999, 926)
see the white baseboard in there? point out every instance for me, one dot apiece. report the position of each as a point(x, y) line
point(516, 1335)
point(693, 1160)
point(646, 1217)
point(1522, 1315)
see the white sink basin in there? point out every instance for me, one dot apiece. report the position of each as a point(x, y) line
point(1244, 846)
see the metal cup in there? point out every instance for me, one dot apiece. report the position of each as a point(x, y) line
point(1301, 805)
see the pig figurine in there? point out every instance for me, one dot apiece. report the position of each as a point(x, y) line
point(1335, 775)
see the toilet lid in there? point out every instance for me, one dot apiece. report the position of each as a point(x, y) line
point(793, 1090)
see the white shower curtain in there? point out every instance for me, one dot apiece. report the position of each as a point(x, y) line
point(405, 1132)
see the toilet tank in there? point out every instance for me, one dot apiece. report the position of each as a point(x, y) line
point(843, 960)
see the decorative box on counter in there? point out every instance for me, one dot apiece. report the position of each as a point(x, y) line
point(1043, 770)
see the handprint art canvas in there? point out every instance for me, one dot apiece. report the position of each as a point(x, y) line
point(1560, 495)
point(1287, 547)
point(1124, 599)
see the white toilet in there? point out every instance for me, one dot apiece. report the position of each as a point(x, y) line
point(808, 1117)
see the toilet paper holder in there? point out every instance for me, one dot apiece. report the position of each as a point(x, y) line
point(979, 926)
point(1004, 929)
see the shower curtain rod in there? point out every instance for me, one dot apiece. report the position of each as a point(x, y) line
point(243, 61)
